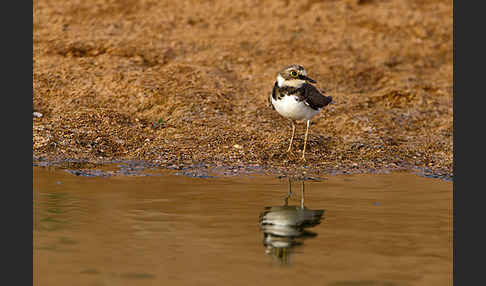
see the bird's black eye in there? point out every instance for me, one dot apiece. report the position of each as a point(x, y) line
point(293, 73)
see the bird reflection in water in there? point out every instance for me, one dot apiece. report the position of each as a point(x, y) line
point(284, 227)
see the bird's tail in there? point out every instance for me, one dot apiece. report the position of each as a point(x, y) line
point(331, 100)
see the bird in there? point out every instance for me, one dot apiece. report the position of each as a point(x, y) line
point(295, 98)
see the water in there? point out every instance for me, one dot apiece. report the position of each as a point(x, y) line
point(393, 229)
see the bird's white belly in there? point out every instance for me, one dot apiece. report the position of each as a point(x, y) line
point(289, 107)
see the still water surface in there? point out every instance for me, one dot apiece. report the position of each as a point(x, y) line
point(393, 229)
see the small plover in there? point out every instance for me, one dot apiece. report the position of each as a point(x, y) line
point(294, 98)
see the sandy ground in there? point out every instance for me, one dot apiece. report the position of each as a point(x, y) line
point(185, 83)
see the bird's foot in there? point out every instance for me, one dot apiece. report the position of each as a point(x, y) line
point(290, 154)
point(303, 157)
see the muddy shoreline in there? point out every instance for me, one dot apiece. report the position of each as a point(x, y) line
point(142, 168)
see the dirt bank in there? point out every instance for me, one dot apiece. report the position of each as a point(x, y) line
point(185, 83)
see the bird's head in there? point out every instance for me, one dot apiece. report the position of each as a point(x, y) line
point(293, 76)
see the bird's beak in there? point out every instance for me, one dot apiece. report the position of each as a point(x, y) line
point(303, 77)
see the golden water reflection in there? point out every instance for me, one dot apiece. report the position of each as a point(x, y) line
point(285, 227)
point(392, 229)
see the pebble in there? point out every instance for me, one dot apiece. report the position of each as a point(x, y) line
point(37, 114)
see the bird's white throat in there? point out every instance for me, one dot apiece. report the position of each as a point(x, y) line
point(292, 82)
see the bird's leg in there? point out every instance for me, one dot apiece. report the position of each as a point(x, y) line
point(286, 200)
point(305, 139)
point(302, 200)
point(292, 137)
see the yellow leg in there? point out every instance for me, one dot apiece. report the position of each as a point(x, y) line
point(291, 138)
point(286, 200)
point(305, 139)
point(302, 199)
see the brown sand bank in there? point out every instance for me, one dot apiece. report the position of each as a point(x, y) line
point(178, 83)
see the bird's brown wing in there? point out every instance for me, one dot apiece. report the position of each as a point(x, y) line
point(314, 97)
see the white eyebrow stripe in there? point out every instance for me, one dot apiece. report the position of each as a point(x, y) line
point(280, 80)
